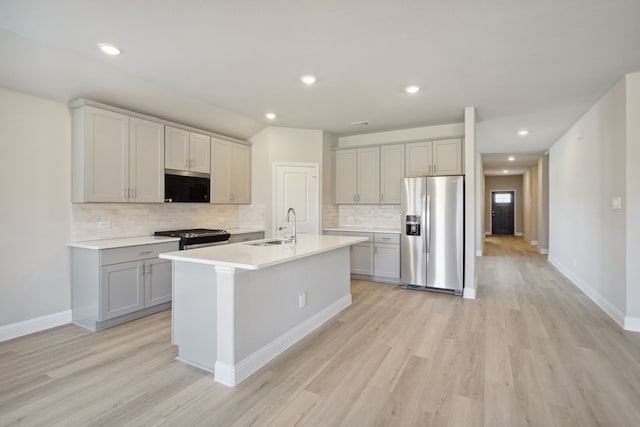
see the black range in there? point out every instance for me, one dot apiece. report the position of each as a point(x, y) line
point(197, 237)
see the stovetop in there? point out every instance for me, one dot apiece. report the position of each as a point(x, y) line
point(196, 236)
point(191, 233)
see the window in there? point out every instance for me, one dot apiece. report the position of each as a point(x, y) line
point(502, 198)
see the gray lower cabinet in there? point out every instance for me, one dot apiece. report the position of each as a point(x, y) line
point(378, 257)
point(112, 286)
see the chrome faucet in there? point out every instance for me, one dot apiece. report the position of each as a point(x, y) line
point(291, 212)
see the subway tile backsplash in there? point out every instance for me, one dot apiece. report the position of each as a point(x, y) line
point(93, 221)
point(387, 216)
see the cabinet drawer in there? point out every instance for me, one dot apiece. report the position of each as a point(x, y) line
point(369, 236)
point(135, 253)
point(392, 238)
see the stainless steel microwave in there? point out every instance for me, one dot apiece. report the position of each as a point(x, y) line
point(186, 187)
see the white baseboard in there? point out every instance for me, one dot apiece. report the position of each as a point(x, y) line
point(469, 293)
point(518, 233)
point(31, 326)
point(606, 306)
point(479, 252)
point(534, 243)
point(632, 324)
point(233, 375)
point(543, 251)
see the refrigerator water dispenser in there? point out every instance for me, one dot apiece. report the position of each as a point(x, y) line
point(413, 225)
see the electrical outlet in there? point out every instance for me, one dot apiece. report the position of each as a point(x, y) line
point(104, 224)
point(302, 299)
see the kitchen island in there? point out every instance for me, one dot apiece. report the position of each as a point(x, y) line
point(238, 306)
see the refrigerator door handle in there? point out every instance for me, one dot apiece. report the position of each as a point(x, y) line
point(427, 234)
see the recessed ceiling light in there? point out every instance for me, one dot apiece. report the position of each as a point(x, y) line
point(109, 49)
point(511, 158)
point(523, 132)
point(505, 171)
point(270, 116)
point(412, 89)
point(308, 79)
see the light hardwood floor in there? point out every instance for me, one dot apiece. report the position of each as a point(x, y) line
point(531, 350)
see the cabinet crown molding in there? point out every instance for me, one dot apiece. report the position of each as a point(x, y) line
point(83, 102)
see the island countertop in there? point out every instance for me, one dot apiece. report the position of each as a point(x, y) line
point(247, 256)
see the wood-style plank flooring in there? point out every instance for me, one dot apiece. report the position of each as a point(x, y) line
point(530, 350)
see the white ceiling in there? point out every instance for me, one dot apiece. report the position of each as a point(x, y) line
point(221, 65)
point(496, 164)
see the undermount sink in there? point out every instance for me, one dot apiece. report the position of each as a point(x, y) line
point(270, 242)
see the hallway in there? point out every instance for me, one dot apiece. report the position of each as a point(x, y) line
point(553, 357)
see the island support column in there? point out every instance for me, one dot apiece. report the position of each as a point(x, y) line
point(224, 370)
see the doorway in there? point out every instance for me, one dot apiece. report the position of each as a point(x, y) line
point(297, 187)
point(502, 212)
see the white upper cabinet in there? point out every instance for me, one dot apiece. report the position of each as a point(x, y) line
point(368, 172)
point(199, 153)
point(146, 161)
point(241, 173)
point(418, 161)
point(358, 176)
point(391, 173)
point(176, 147)
point(230, 172)
point(116, 158)
point(100, 156)
point(431, 158)
point(346, 161)
point(188, 151)
point(447, 157)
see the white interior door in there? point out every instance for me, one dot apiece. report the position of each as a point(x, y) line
point(297, 187)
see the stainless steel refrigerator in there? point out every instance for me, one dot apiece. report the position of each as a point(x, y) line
point(432, 239)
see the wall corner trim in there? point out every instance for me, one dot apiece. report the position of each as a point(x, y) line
point(31, 326)
point(469, 293)
point(543, 251)
point(632, 324)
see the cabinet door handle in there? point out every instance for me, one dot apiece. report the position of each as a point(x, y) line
point(381, 197)
point(186, 164)
point(146, 252)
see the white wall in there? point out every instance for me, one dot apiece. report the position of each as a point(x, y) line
point(587, 167)
point(530, 205)
point(472, 218)
point(543, 204)
point(35, 137)
point(633, 201)
point(277, 145)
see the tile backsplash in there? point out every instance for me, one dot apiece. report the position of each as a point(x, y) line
point(331, 215)
point(93, 221)
point(370, 215)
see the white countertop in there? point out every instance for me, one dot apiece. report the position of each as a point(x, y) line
point(363, 229)
point(248, 257)
point(122, 242)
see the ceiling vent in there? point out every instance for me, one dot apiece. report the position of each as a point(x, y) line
point(360, 124)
